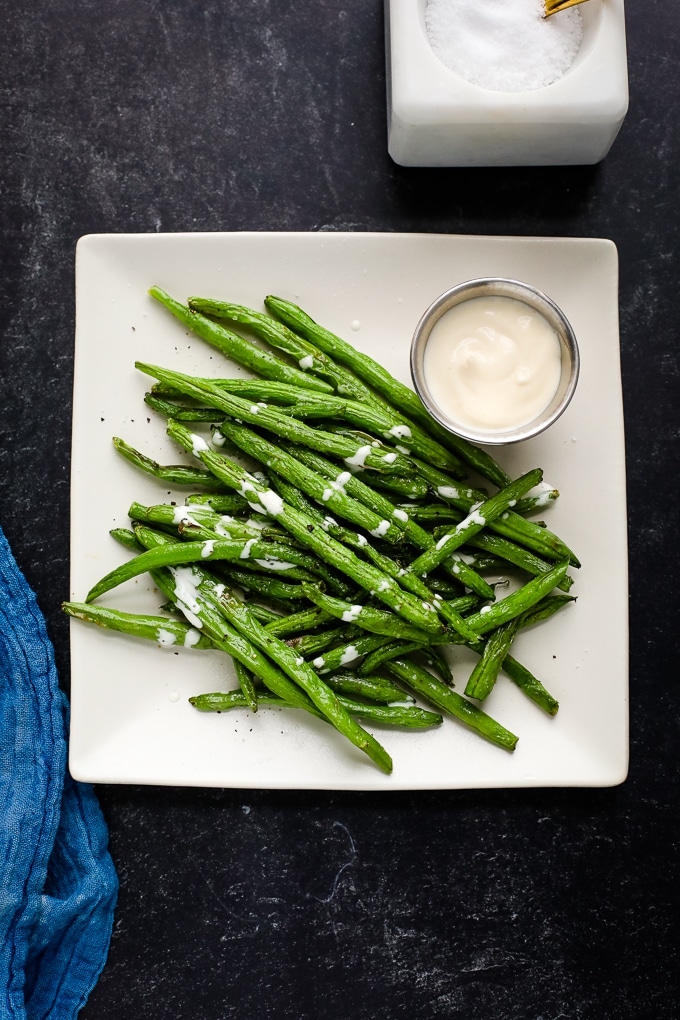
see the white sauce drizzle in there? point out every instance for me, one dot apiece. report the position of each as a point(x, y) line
point(275, 564)
point(381, 530)
point(186, 581)
point(272, 502)
point(165, 637)
point(352, 614)
point(191, 638)
point(400, 431)
point(448, 492)
point(198, 445)
point(245, 552)
point(358, 460)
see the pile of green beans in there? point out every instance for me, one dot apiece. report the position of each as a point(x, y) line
point(341, 572)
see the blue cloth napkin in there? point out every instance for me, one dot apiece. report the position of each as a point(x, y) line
point(58, 885)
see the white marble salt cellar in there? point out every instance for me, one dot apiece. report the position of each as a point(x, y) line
point(436, 118)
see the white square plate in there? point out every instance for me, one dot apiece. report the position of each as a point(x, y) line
point(131, 721)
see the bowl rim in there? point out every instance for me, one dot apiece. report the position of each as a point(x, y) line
point(502, 287)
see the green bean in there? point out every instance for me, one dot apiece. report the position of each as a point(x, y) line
point(497, 647)
point(225, 701)
point(369, 668)
point(411, 487)
point(246, 684)
point(235, 347)
point(297, 499)
point(300, 622)
point(436, 513)
point(437, 661)
point(479, 562)
point(545, 608)
point(284, 558)
point(518, 673)
point(368, 618)
point(515, 554)
point(402, 478)
point(263, 586)
point(267, 614)
point(450, 589)
point(489, 617)
point(467, 575)
point(529, 685)
point(390, 650)
point(126, 538)
point(355, 540)
point(389, 566)
point(401, 713)
point(212, 624)
point(226, 503)
point(442, 697)
point(311, 645)
point(180, 412)
point(375, 659)
point(348, 653)
point(409, 716)
point(183, 552)
point(536, 501)
point(173, 474)
point(375, 688)
point(254, 390)
point(163, 630)
point(198, 521)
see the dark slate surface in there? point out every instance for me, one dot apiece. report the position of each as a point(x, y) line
point(266, 114)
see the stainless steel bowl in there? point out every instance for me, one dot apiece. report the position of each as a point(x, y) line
point(497, 286)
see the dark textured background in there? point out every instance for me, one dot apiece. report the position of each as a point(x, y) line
point(140, 115)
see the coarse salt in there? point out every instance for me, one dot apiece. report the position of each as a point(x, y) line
point(504, 45)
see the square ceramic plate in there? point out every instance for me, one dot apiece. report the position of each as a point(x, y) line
point(131, 721)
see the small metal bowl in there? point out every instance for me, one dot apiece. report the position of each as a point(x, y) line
point(498, 287)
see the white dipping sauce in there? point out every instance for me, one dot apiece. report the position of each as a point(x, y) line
point(492, 363)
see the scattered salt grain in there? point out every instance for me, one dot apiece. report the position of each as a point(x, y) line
point(504, 45)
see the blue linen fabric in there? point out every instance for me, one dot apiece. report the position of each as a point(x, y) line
point(58, 884)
